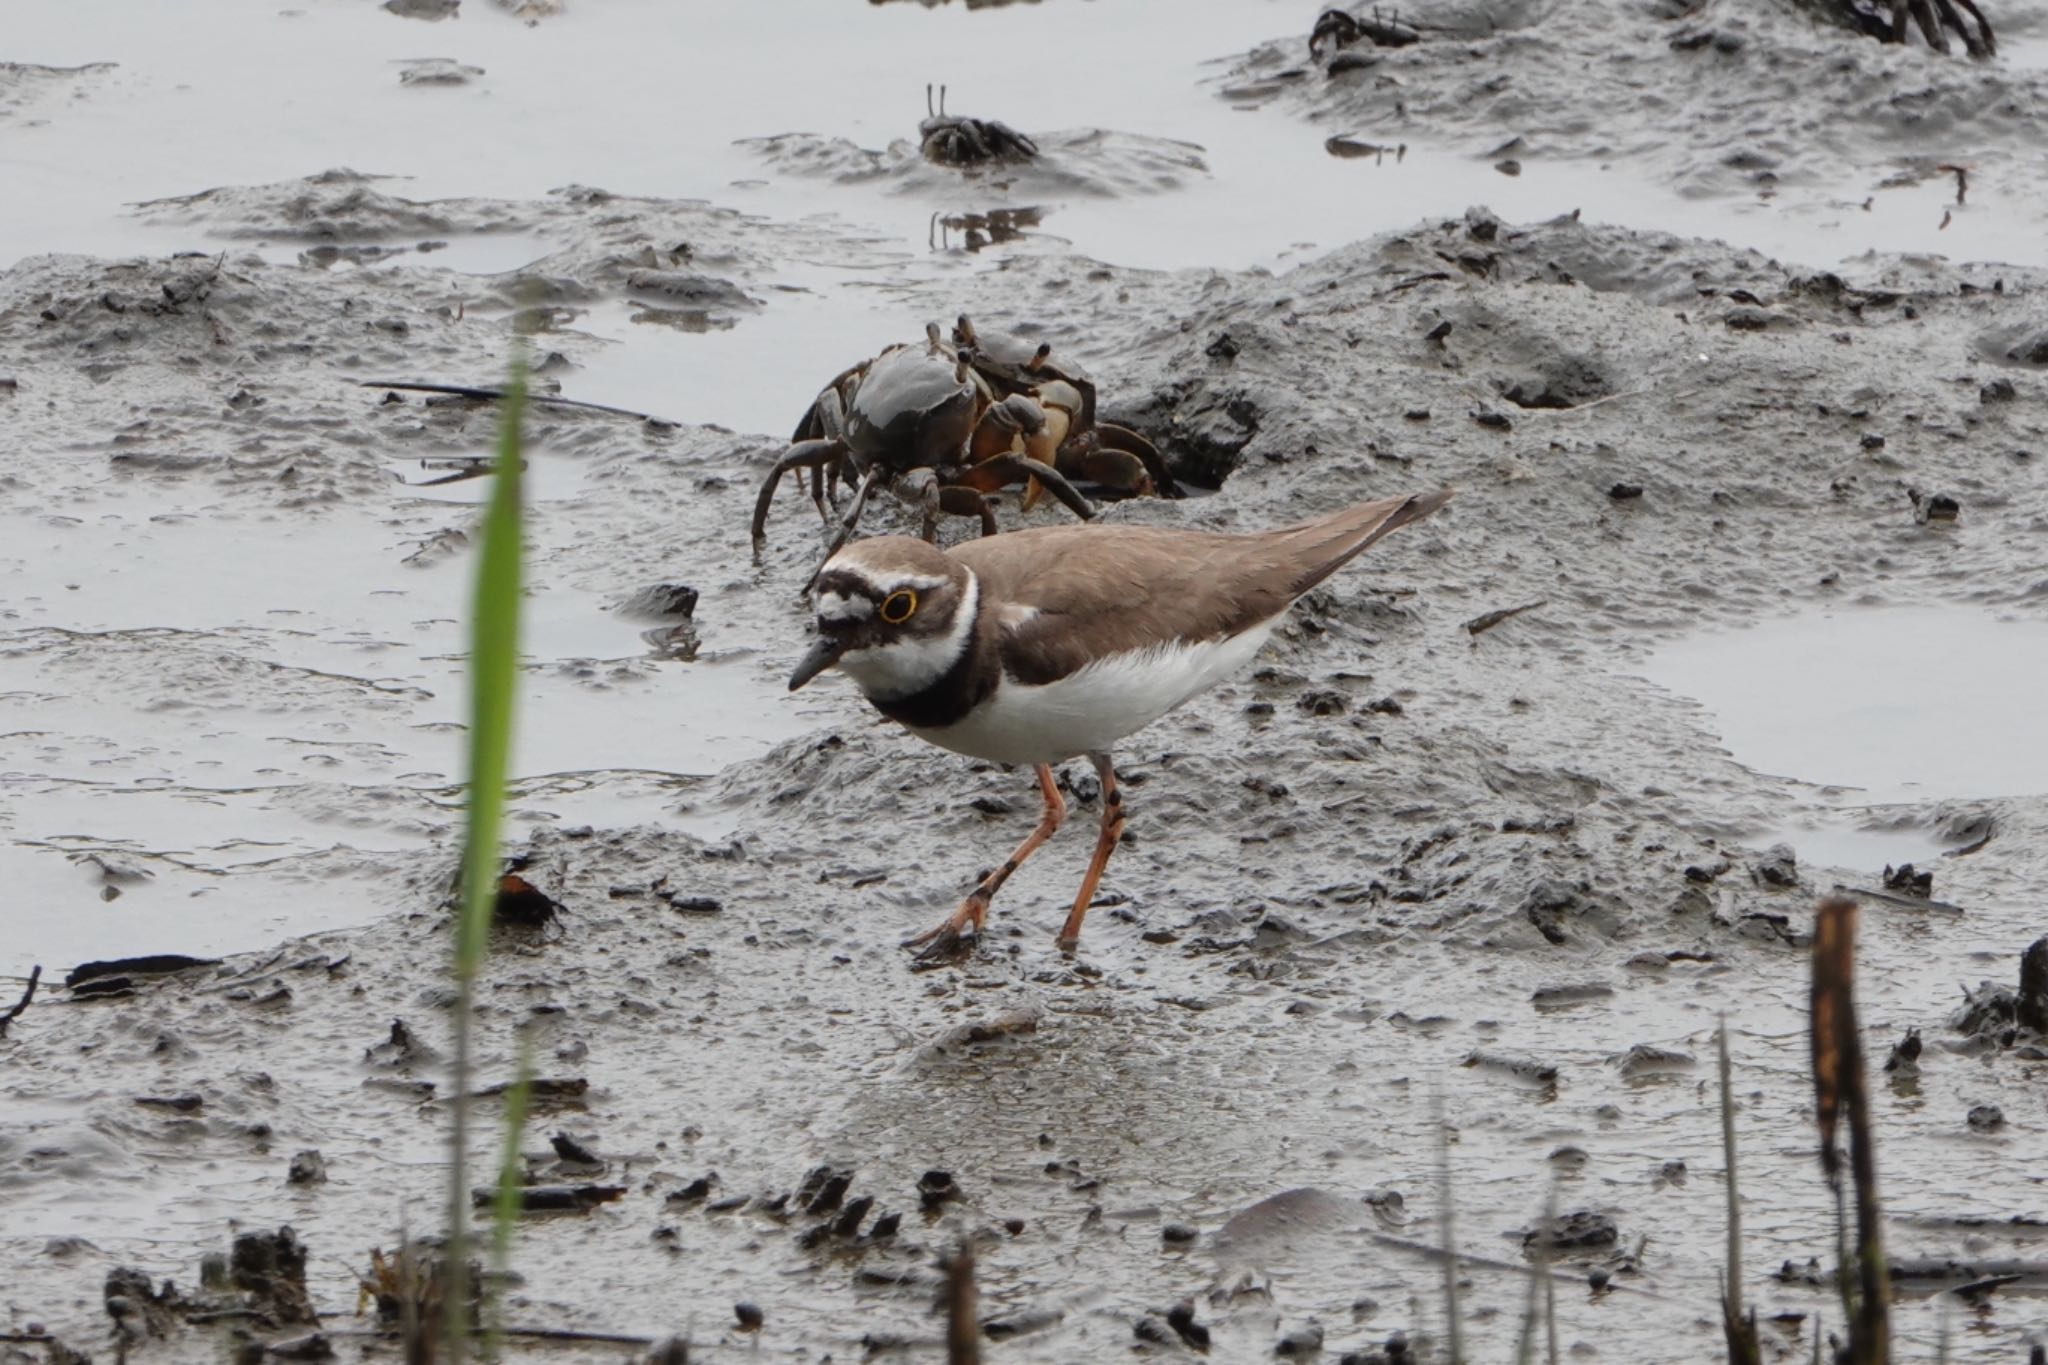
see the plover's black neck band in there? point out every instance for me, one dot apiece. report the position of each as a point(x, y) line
point(976, 671)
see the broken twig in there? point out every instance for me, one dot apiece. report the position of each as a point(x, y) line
point(483, 393)
point(1479, 625)
point(35, 975)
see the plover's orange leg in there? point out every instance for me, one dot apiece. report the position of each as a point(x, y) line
point(1105, 844)
point(944, 941)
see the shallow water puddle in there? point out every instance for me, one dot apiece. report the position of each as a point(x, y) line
point(1893, 704)
point(1866, 852)
point(215, 723)
point(562, 104)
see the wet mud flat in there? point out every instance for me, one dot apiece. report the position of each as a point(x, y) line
point(1411, 860)
point(1441, 854)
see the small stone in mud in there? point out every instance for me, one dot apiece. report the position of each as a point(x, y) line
point(437, 71)
point(1572, 993)
point(552, 1198)
point(847, 1224)
point(1322, 702)
point(137, 1307)
point(1417, 414)
point(431, 10)
point(1987, 1013)
point(1935, 507)
point(1177, 1234)
point(1222, 347)
point(935, 1188)
point(1985, 1118)
point(1872, 441)
point(828, 1191)
point(569, 1149)
point(668, 1351)
point(696, 905)
point(1492, 421)
point(661, 599)
point(1907, 881)
point(1302, 1341)
point(1778, 866)
point(270, 1267)
point(1579, 1231)
point(1522, 1068)
point(1508, 166)
point(1997, 391)
point(153, 965)
point(1645, 1060)
point(749, 1316)
point(1625, 492)
point(1597, 1279)
point(307, 1168)
point(1181, 1318)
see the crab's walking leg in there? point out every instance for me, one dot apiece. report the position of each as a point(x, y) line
point(944, 941)
point(962, 501)
point(803, 455)
point(831, 413)
point(920, 488)
point(1105, 844)
point(1118, 437)
point(853, 511)
point(1003, 470)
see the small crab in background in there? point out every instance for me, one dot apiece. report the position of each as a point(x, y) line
point(955, 140)
point(1341, 28)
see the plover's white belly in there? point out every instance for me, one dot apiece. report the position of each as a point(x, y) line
point(1092, 709)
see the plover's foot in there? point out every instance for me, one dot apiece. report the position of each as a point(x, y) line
point(942, 947)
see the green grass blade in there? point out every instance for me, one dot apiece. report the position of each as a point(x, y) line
point(493, 673)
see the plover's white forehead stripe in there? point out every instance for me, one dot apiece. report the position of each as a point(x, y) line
point(885, 582)
point(836, 606)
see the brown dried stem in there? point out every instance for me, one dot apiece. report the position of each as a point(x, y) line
point(1840, 1093)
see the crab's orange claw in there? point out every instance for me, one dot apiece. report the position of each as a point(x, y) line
point(1033, 491)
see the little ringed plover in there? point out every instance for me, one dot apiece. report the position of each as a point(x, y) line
point(1033, 647)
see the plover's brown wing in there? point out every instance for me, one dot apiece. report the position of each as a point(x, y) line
point(1072, 595)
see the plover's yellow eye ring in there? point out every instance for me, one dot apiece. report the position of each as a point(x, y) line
point(898, 605)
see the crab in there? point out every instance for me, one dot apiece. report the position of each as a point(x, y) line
point(1341, 28)
point(924, 418)
point(1073, 440)
point(955, 140)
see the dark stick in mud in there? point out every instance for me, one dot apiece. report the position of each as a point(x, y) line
point(35, 975)
point(1743, 1346)
point(1839, 1092)
point(1543, 1281)
point(485, 394)
point(1447, 1214)
point(963, 1325)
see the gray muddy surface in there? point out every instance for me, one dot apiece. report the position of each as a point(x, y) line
point(1409, 864)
